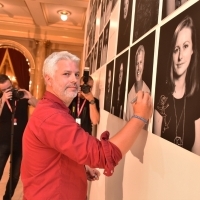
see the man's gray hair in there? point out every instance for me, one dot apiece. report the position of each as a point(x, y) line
point(50, 63)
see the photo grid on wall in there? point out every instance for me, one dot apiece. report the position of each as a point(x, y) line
point(176, 43)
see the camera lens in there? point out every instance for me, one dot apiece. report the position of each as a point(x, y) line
point(16, 94)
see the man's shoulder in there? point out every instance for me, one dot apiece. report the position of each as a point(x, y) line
point(145, 87)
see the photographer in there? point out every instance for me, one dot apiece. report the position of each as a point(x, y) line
point(12, 100)
point(85, 107)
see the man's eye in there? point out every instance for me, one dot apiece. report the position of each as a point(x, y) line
point(77, 75)
point(67, 74)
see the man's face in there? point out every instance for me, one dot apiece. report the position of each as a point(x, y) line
point(90, 83)
point(139, 66)
point(120, 74)
point(7, 85)
point(65, 81)
point(126, 5)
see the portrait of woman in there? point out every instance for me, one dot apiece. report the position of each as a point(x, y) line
point(176, 114)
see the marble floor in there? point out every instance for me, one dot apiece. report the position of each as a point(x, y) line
point(18, 191)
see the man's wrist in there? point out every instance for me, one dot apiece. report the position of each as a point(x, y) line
point(92, 101)
point(140, 118)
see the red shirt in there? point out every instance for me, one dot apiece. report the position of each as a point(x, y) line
point(55, 150)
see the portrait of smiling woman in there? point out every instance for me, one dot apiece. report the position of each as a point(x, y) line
point(176, 115)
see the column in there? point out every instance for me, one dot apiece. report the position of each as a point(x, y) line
point(39, 86)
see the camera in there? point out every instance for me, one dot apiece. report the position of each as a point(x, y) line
point(16, 94)
point(85, 88)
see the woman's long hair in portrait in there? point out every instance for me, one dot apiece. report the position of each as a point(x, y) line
point(192, 83)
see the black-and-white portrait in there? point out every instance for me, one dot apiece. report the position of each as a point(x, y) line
point(124, 25)
point(94, 60)
point(105, 44)
point(170, 6)
point(108, 86)
point(140, 70)
point(146, 17)
point(119, 85)
point(91, 61)
point(108, 10)
point(88, 61)
point(102, 18)
point(177, 96)
point(114, 3)
point(100, 46)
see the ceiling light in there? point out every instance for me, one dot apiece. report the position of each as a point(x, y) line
point(64, 14)
point(1, 5)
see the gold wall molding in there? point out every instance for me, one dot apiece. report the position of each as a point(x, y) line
point(19, 47)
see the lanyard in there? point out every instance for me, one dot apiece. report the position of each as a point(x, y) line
point(9, 106)
point(79, 110)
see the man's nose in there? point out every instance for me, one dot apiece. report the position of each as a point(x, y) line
point(73, 78)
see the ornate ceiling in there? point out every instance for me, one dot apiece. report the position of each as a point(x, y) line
point(39, 20)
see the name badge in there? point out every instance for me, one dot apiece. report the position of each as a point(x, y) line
point(15, 122)
point(78, 120)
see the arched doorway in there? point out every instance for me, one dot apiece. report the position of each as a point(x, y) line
point(11, 51)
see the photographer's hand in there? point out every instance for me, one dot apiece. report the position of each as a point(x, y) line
point(89, 96)
point(6, 95)
point(31, 99)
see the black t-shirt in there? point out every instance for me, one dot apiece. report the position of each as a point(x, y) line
point(86, 123)
point(21, 118)
point(179, 116)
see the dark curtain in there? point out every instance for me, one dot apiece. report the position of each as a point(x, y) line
point(2, 53)
point(20, 67)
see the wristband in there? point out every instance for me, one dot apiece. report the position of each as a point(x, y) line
point(140, 118)
point(92, 102)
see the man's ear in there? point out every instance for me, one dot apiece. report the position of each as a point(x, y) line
point(48, 80)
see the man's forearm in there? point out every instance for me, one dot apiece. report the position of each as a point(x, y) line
point(94, 114)
point(33, 101)
point(1, 105)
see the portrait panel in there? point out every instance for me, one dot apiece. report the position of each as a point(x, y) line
point(146, 17)
point(119, 85)
point(170, 6)
point(176, 106)
point(108, 86)
point(124, 25)
point(140, 70)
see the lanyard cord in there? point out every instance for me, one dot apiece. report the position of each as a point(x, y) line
point(9, 106)
point(79, 110)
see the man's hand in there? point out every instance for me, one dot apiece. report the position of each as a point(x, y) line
point(6, 95)
point(27, 94)
point(92, 173)
point(31, 99)
point(143, 105)
point(89, 96)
